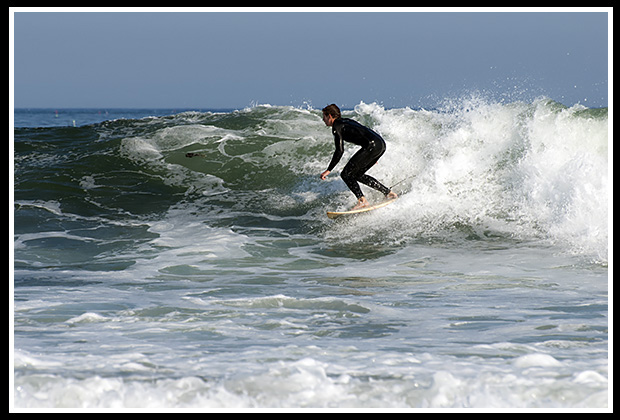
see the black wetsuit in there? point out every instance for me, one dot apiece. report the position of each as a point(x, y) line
point(373, 147)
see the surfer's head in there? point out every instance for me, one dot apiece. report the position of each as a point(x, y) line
point(331, 113)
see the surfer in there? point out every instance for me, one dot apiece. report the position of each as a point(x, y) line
point(373, 147)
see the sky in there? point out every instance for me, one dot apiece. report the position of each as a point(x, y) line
point(213, 59)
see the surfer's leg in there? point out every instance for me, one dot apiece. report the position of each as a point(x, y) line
point(351, 171)
point(367, 162)
point(355, 171)
point(373, 183)
point(348, 175)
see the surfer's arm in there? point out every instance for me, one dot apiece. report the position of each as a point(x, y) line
point(338, 141)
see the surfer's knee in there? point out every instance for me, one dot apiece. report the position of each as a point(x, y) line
point(349, 172)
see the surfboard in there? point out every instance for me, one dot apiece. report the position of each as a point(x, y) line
point(335, 214)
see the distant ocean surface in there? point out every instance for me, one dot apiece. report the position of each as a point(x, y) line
point(143, 278)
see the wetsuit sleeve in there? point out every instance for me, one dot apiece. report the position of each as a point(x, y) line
point(338, 140)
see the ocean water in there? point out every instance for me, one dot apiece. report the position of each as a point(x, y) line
point(144, 278)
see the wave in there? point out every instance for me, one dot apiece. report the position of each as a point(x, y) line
point(472, 169)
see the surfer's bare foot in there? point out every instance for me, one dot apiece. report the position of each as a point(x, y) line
point(391, 195)
point(361, 203)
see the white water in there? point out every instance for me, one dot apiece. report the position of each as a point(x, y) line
point(522, 170)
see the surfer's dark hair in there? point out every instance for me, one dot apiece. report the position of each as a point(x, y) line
point(332, 110)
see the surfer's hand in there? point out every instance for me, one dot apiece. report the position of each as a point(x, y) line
point(324, 175)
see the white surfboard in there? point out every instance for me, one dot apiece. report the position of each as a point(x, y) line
point(335, 214)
